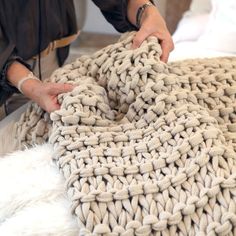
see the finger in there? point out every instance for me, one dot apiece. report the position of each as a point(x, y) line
point(53, 108)
point(53, 105)
point(139, 37)
point(59, 88)
point(165, 54)
point(166, 49)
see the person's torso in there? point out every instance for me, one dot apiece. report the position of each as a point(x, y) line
point(32, 24)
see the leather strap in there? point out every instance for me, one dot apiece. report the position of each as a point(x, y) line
point(58, 44)
point(140, 12)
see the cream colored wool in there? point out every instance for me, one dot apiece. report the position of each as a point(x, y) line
point(146, 148)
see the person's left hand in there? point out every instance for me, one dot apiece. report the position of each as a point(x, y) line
point(152, 24)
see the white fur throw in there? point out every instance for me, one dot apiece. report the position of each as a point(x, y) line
point(146, 148)
point(33, 200)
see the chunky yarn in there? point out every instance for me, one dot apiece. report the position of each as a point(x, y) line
point(146, 148)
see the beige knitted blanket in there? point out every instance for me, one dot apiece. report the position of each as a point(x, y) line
point(146, 148)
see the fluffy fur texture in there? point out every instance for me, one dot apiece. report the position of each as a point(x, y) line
point(33, 199)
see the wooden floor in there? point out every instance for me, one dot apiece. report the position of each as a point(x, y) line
point(87, 43)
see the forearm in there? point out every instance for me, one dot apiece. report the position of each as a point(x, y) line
point(17, 72)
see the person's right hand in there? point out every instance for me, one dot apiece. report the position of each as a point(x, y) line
point(45, 94)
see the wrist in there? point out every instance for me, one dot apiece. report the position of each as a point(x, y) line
point(23, 80)
point(135, 8)
point(143, 12)
point(31, 88)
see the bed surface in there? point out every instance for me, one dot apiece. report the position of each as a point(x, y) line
point(192, 49)
point(206, 29)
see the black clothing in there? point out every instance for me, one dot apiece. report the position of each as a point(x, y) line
point(28, 26)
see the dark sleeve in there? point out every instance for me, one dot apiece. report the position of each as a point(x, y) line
point(7, 57)
point(115, 12)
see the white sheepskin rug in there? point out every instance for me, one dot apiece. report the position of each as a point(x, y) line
point(33, 199)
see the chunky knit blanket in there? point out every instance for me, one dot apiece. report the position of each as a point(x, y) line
point(146, 148)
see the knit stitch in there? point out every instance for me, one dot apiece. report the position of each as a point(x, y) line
point(146, 148)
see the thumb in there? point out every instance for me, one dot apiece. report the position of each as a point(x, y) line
point(139, 37)
point(61, 88)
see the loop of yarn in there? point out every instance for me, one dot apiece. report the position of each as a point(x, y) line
point(146, 148)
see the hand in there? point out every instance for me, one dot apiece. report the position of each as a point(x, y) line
point(45, 94)
point(152, 24)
